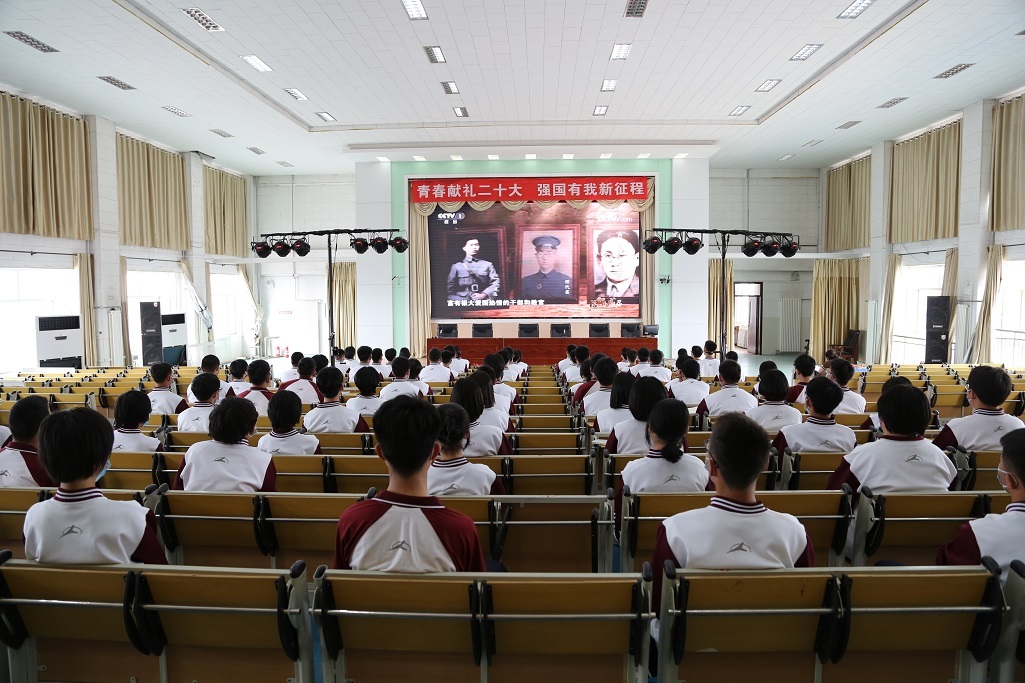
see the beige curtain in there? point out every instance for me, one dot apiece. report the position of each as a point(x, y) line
point(124, 312)
point(344, 297)
point(419, 280)
point(225, 211)
point(646, 211)
point(982, 343)
point(848, 191)
point(83, 264)
point(44, 171)
point(834, 302)
point(950, 289)
point(243, 273)
point(1007, 211)
point(885, 352)
point(152, 196)
point(924, 186)
point(714, 302)
point(202, 310)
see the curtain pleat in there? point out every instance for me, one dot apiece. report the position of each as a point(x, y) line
point(243, 273)
point(924, 186)
point(885, 352)
point(125, 339)
point(1007, 210)
point(83, 264)
point(848, 194)
point(715, 302)
point(950, 289)
point(152, 197)
point(226, 213)
point(344, 297)
point(202, 310)
point(982, 343)
point(834, 302)
point(419, 284)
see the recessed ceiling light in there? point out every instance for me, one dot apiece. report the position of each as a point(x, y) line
point(434, 54)
point(297, 94)
point(769, 85)
point(116, 82)
point(855, 9)
point(222, 133)
point(30, 41)
point(415, 9)
point(849, 124)
point(644, 155)
point(681, 155)
point(600, 110)
point(383, 159)
point(620, 51)
point(201, 18)
point(811, 143)
point(567, 156)
point(256, 62)
point(255, 150)
point(177, 112)
point(450, 87)
point(327, 117)
point(740, 110)
point(417, 157)
point(635, 8)
point(606, 155)
point(493, 157)
point(891, 103)
point(806, 52)
point(786, 156)
point(608, 85)
point(455, 157)
point(530, 155)
point(953, 71)
point(461, 112)
point(286, 164)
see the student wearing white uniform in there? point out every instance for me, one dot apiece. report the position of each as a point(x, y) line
point(363, 354)
point(400, 385)
point(517, 365)
point(485, 439)
point(709, 363)
point(624, 362)
point(572, 372)
point(568, 360)
point(238, 368)
point(774, 414)
point(687, 387)
point(330, 415)
point(212, 365)
point(619, 398)
point(764, 369)
point(730, 398)
point(605, 372)
point(227, 462)
point(258, 394)
point(853, 403)
point(162, 400)
point(5, 436)
point(451, 474)
point(988, 388)
point(643, 366)
point(493, 414)
point(79, 525)
point(367, 402)
point(206, 388)
point(820, 433)
point(415, 368)
point(285, 410)
point(804, 372)
point(131, 413)
point(459, 364)
point(304, 386)
point(435, 371)
point(497, 363)
point(446, 362)
point(20, 466)
point(292, 373)
point(658, 370)
point(630, 436)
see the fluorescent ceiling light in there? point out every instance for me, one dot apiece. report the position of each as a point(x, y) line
point(417, 157)
point(450, 87)
point(567, 156)
point(600, 110)
point(855, 9)
point(222, 133)
point(201, 18)
point(30, 41)
point(606, 156)
point(608, 85)
point(635, 8)
point(806, 52)
point(786, 156)
point(286, 164)
point(415, 9)
point(530, 155)
point(620, 51)
point(953, 71)
point(116, 82)
point(493, 157)
point(681, 155)
point(383, 159)
point(297, 94)
point(327, 117)
point(177, 112)
point(740, 110)
point(891, 103)
point(434, 54)
point(256, 62)
point(811, 143)
point(644, 155)
point(769, 85)
point(255, 150)
point(455, 157)
point(461, 112)
point(849, 124)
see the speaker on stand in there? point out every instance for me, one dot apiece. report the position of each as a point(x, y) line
point(152, 336)
point(937, 328)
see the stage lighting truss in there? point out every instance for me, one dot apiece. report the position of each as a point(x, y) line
point(261, 249)
point(301, 247)
point(692, 245)
point(652, 244)
point(281, 247)
point(359, 244)
point(672, 245)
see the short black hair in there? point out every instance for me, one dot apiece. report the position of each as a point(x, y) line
point(321, 361)
point(131, 410)
point(842, 371)
point(490, 371)
point(350, 352)
point(284, 410)
point(74, 444)
point(696, 351)
point(774, 385)
point(389, 354)
point(732, 355)
point(400, 367)
point(497, 362)
point(306, 368)
point(455, 423)
point(446, 357)
point(485, 379)
point(517, 355)
point(238, 368)
point(376, 354)
point(363, 353)
point(406, 430)
point(234, 419)
point(159, 372)
point(605, 371)
point(296, 357)
point(669, 421)
point(991, 385)
point(765, 366)
point(657, 357)
point(330, 380)
point(729, 371)
point(643, 354)
point(405, 353)
point(259, 372)
point(646, 392)
point(690, 368)
point(1013, 445)
point(570, 348)
point(434, 355)
point(367, 380)
point(26, 416)
point(204, 386)
point(210, 363)
point(740, 448)
point(580, 353)
point(632, 355)
point(895, 382)
point(621, 388)
point(625, 353)
point(805, 365)
point(904, 410)
point(831, 355)
point(415, 366)
point(710, 346)
point(506, 354)
point(824, 395)
point(467, 393)
point(585, 370)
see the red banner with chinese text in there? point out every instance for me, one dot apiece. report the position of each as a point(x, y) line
point(529, 189)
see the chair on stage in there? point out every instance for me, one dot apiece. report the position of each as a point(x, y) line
point(448, 330)
point(560, 330)
point(598, 330)
point(629, 329)
point(529, 330)
point(482, 330)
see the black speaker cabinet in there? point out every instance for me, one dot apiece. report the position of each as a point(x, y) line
point(152, 335)
point(937, 328)
point(149, 317)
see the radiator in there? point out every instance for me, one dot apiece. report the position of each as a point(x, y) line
point(790, 326)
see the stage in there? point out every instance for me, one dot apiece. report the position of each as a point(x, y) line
point(540, 350)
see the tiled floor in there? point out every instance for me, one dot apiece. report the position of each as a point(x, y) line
point(784, 361)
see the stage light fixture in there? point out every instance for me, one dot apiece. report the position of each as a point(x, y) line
point(692, 245)
point(652, 244)
point(359, 244)
point(789, 248)
point(399, 244)
point(301, 247)
point(282, 248)
point(379, 244)
point(672, 245)
point(262, 249)
point(771, 245)
point(751, 247)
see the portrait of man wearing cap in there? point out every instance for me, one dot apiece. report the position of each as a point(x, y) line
point(547, 283)
point(619, 258)
point(472, 278)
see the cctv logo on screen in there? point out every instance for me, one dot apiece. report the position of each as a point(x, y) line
point(451, 218)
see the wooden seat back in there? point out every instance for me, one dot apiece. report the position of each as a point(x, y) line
point(211, 529)
point(547, 423)
point(541, 443)
point(554, 533)
point(811, 471)
point(345, 444)
point(14, 503)
point(133, 471)
point(550, 475)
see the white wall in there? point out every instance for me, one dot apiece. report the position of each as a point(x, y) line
point(775, 274)
point(785, 200)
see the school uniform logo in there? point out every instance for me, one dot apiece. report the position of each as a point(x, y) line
point(739, 548)
point(998, 429)
point(778, 417)
point(914, 457)
point(4, 473)
point(119, 447)
point(400, 545)
point(451, 487)
point(71, 530)
point(221, 459)
point(671, 477)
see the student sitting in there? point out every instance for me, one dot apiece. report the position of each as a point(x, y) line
point(643, 366)
point(688, 387)
point(330, 415)
point(583, 384)
point(733, 356)
point(415, 368)
point(730, 398)
point(258, 393)
point(820, 433)
point(389, 356)
point(79, 525)
point(497, 363)
point(320, 361)
point(285, 411)
point(366, 380)
point(405, 529)
point(377, 362)
point(227, 462)
point(446, 362)
point(658, 370)
point(163, 401)
point(1000, 536)
point(292, 373)
point(624, 364)
point(484, 439)
point(502, 402)
point(988, 388)
point(493, 414)
point(764, 368)
point(206, 388)
point(853, 403)
point(350, 365)
point(451, 474)
point(238, 368)
point(5, 436)
point(619, 400)
point(305, 385)
point(709, 363)
point(630, 436)
point(774, 414)
point(804, 372)
point(435, 371)
point(568, 360)
point(459, 364)
point(901, 460)
point(400, 385)
point(212, 365)
point(19, 460)
point(605, 372)
point(131, 413)
point(697, 353)
point(517, 367)
point(873, 418)
point(363, 355)
point(572, 372)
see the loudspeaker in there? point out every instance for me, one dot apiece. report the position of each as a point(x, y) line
point(482, 330)
point(630, 330)
point(937, 328)
point(152, 335)
point(149, 317)
point(529, 330)
point(598, 330)
point(447, 330)
point(559, 330)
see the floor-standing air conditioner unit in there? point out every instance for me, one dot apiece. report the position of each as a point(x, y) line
point(174, 337)
point(59, 341)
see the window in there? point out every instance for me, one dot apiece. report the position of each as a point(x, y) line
point(26, 293)
point(1009, 316)
point(914, 284)
point(166, 287)
point(232, 309)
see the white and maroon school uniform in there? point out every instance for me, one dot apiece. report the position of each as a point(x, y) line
point(221, 393)
point(237, 386)
point(597, 401)
point(226, 467)
point(460, 477)
point(661, 373)
point(572, 373)
point(364, 405)
point(305, 389)
point(289, 443)
point(424, 387)
point(360, 365)
point(709, 367)
point(486, 440)
point(606, 420)
point(656, 474)
point(690, 391)
point(853, 403)
point(349, 366)
point(980, 431)
point(774, 415)
point(407, 535)
point(84, 527)
point(495, 417)
point(729, 399)
point(400, 387)
point(629, 436)
point(134, 441)
point(563, 364)
point(895, 463)
point(817, 436)
point(507, 392)
point(1000, 536)
point(260, 398)
point(163, 401)
point(289, 375)
point(332, 417)
point(383, 369)
point(20, 467)
point(519, 368)
point(5, 436)
point(642, 369)
point(460, 365)
point(623, 365)
point(796, 393)
point(436, 372)
point(510, 374)
point(196, 418)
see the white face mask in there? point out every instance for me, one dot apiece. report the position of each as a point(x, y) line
point(1001, 481)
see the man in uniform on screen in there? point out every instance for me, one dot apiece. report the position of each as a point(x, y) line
point(619, 258)
point(472, 279)
point(548, 283)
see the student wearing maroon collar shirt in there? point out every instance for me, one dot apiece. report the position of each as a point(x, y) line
point(285, 411)
point(162, 400)
point(804, 369)
point(330, 415)
point(988, 388)
point(258, 394)
point(131, 413)
point(451, 474)
point(19, 460)
point(404, 529)
point(730, 398)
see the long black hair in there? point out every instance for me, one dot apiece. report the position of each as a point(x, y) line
point(669, 421)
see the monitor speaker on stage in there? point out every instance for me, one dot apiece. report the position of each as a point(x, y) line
point(529, 330)
point(630, 329)
point(448, 330)
point(482, 330)
point(651, 330)
point(560, 330)
point(598, 330)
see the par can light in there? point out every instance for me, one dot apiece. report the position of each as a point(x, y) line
point(262, 249)
point(692, 245)
point(301, 247)
point(652, 244)
point(282, 248)
point(672, 245)
point(379, 244)
point(399, 244)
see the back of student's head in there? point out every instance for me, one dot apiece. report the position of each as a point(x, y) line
point(210, 363)
point(990, 385)
point(621, 388)
point(710, 346)
point(376, 355)
point(765, 367)
point(805, 365)
point(631, 355)
point(739, 446)
point(605, 371)
point(259, 372)
point(496, 362)
point(446, 357)
point(74, 444)
point(467, 393)
point(204, 386)
point(350, 352)
point(690, 368)
point(307, 368)
point(681, 353)
point(1013, 445)
point(26, 416)
point(643, 354)
point(367, 380)
point(824, 395)
point(389, 354)
point(406, 353)
point(585, 370)
point(159, 372)
point(506, 354)
point(646, 392)
point(434, 355)
point(625, 353)
point(895, 382)
point(329, 381)
point(233, 419)
point(284, 410)
point(732, 355)
point(296, 357)
point(455, 423)
point(696, 351)
point(415, 366)
point(485, 379)
point(406, 430)
point(657, 357)
point(363, 353)
point(831, 355)
point(904, 410)
point(400, 367)
point(517, 356)
point(842, 371)
point(490, 371)
point(321, 361)
point(132, 409)
point(238, 368)
point(773, 385)
point(729, 371)
point(668, 421)
point(570, 350)
point(580, 353)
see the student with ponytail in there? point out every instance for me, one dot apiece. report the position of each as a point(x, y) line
point(451, 474)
